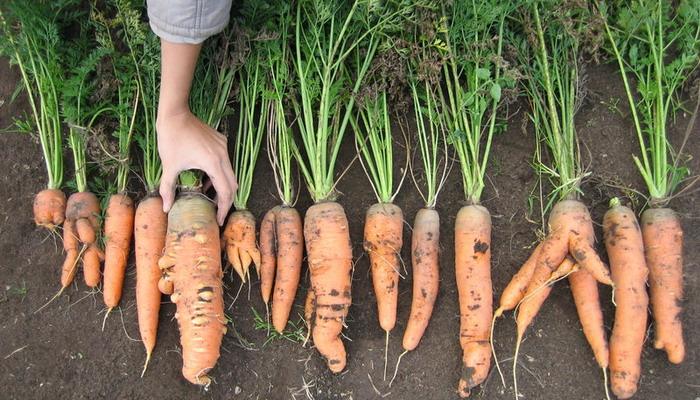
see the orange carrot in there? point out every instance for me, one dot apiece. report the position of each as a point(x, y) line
point(623, 241)
point(663, 245)
point(473, 276)
point(82, 209)
point(239, 240)
point(49, 208)
point(515, 291)
point(119, 225)
point(290, 251)
point(150, 224)
point(192, 265)
point(425, 246)
point(330, 263)
point(268, 254)
point(383, 242)
point(584, 289)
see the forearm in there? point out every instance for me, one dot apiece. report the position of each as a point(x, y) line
point(178, 62)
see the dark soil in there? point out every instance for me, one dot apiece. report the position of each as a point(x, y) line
point(61, 352)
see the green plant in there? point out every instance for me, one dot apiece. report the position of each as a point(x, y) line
point(294, 335)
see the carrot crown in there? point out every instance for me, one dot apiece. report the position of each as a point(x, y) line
point(657, 43)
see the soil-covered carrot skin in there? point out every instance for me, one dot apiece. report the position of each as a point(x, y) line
point(290, 252)
point(425, 248)
point(628, 269)
point(150, 225)
point(119, 227)
point(268, 254)
point(82, 210)
point(329, 254)
point(239, 241)
point(192, 263)
point(473, 277)
point(663, 245)
point(584, 289)
point(383, 241)
point(49, 208)
point(515, 291)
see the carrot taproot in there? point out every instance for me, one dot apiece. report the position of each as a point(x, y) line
point(118, 229)
point(515, 290)
point(239, 240)
point(473, 276)
point(268, 254)
point(150, 224)
point(290, 251)
point(663, 246)
point(628, 269)
point(425, 246)
point(49, 208)
point(192, 264)
point(329, 251)
point(584, 289)
point(383, 239)
point(81, 226)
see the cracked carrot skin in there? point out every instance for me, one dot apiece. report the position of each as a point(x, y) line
point(119, 227)
point(628, 269)
point(329, 253)
point(425, 249)
point(49, 208)
point(383, 240)
point(663, 246)
point(239, 240)
point(150, 225)
point(268, 254)
point(473, 277)
point(191, 266)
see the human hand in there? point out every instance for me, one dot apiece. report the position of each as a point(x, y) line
point(186, 142)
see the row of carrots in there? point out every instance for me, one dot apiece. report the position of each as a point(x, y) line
point(179, 254)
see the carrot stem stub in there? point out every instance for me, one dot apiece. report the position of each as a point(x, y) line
point(191, 266)
point(663, 245)
point(473, 276)
point(330, 263)
point(628, 269)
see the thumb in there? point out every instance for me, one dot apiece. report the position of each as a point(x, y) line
point(167, 189)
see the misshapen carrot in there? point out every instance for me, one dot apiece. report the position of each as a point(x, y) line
point(119, 226)
point(584, 289)
point(383, 241)
point(290, 251)
point(239, 240)
point(663, 246)
point(49, 208)
point(515, 291)
point(192, 266)
point(473, 276)
point(82, 210)
point(329, 253)
point(150, 225)
point(268, 254)
point(425, 247)
point(628, 269)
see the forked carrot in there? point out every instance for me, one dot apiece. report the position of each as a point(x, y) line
point(239, 240)
point(49, 208)
point(82, 210)
point(584, 289)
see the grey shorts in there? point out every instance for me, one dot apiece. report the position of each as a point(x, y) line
point(188, 21)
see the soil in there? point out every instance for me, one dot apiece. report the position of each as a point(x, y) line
point(62, 352)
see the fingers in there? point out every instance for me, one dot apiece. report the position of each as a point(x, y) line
point(167, 188)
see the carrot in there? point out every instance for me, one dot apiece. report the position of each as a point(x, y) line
point(150, 224)
point(290, 249)
point(473, 275)
point(330, 262)
point(584, 289)
point(383, 242)
point(515, 291)
point(81, 225)
point(309, 307)
point(424, 259)
point(192, 263)
point(268, 254)
point(663, 246)
point(49, 208)
point(239, 240)
point(119, 226)
point(623, 241)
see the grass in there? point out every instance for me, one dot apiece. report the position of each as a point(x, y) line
point(294, 335)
